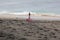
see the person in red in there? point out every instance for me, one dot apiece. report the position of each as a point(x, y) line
point(29, 19)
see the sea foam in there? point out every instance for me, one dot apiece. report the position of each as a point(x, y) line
point(26, 13)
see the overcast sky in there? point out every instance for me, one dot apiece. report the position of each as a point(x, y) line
point(30, 5)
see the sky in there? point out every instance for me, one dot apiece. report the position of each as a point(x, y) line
point(52, 6)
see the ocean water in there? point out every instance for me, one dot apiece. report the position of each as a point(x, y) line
point(34, 6)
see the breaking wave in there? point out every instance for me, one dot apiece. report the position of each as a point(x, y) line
point(26, 13)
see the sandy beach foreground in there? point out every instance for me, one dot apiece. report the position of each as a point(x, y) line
point(35, 30)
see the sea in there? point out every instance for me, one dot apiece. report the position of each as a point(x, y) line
point(34, 6)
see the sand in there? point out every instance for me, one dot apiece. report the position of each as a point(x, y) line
point(33, 17)
point(35, 30)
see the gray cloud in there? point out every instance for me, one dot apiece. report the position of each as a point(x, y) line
point(31, 5)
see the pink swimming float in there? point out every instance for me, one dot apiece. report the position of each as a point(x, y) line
point(29, 20)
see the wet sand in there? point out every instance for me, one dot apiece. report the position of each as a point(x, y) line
point(35, 30)
point(33, 17)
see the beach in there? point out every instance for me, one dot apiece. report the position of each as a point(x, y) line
point(33, 16)
point(12, 29)
point(29, 19)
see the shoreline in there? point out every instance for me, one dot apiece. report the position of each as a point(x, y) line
point(22, 17)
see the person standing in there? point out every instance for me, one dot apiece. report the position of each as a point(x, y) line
point(29, 15)
point(29, 19)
